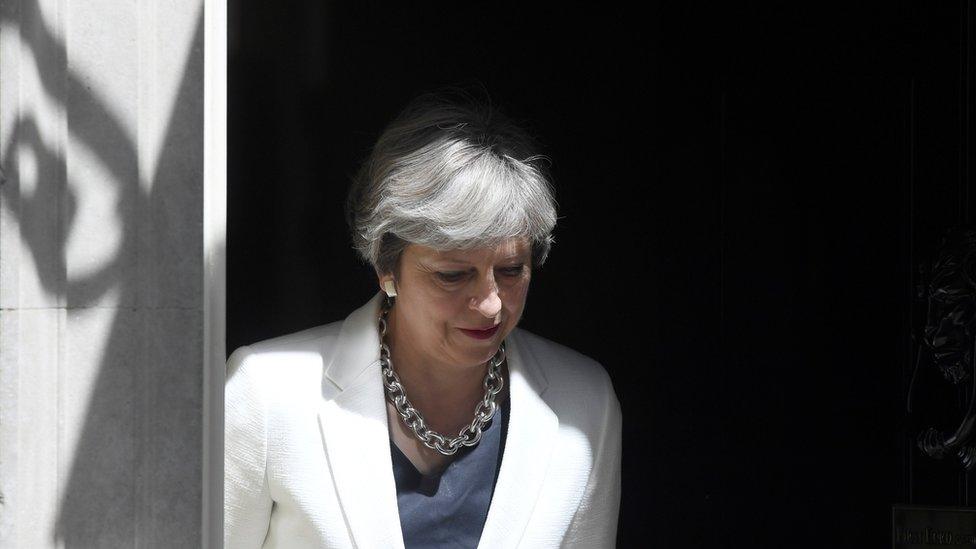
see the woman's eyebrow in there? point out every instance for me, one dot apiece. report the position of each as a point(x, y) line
point(442, 264)
point(506, 259)
point(452, 259)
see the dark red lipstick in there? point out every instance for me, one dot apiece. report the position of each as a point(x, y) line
point(481, 334)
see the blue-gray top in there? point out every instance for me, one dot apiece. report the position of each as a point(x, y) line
point(449, 509)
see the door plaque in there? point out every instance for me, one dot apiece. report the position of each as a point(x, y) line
point(922, 527)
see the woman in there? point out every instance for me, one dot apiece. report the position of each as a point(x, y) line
point(427, 418)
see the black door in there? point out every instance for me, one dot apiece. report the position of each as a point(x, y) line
point(747, 193)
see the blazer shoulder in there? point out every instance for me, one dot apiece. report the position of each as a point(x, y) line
point(285, 360)
point(565, 367)
point(308, 339)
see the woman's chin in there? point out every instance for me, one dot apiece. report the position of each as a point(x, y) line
point(482, 353)
point(476, 351)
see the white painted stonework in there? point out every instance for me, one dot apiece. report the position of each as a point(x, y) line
point(109, 336)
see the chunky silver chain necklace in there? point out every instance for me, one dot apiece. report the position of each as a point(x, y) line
point(469, 435)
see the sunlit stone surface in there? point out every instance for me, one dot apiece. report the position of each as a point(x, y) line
point(101, 262)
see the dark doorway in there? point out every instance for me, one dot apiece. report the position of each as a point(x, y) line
point(744, 193)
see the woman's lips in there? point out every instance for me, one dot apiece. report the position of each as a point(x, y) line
point(481, 334)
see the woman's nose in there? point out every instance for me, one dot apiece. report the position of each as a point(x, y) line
point(487, 301)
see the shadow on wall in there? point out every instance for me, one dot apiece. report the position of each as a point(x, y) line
point(134, 473)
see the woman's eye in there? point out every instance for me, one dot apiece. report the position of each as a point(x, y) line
point(513, 271)
point(454, 276)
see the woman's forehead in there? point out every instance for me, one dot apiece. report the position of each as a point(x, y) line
point(513, 248)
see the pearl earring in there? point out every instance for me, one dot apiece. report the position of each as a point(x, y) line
point(390, 288)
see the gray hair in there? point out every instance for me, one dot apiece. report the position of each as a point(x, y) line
point(450, 172)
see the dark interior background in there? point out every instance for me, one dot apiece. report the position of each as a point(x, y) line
point(744, 191)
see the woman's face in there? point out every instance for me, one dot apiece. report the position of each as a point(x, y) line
point(457, 306)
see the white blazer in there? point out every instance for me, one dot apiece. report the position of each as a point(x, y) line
point(307, 457)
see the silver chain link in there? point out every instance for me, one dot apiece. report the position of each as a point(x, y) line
point(470, 434)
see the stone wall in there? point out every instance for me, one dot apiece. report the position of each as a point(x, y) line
point(102, 306)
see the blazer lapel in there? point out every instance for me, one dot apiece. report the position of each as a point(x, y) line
point(532, 428)
point(355, 434)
